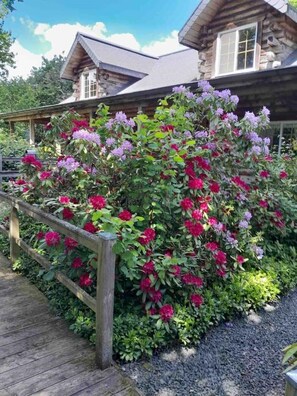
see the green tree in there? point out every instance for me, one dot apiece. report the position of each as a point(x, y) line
point(46, 81)
point(16, 94)
point(293, 3)
point(6, 40)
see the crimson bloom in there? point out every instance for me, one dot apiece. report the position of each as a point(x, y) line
point(263, 203)
point(195, 229)
point(97, 201)
point(155, 295)
point(197, 215)
point(85, 280)
point(90, 227)
point(77, 263)
point(214, 187)
point(145, 285)
point(193, 280)
point(176, 270)
point(45, 175)
point(67, 214)
point(220, 257)
point(40, 235)
point(52, 238)
point(64, 200)
point(283, 175)
point(264, 174)
point(197, 300)
point(212, 246)
point(125, 215)
point(186, 204)
point(195, 184)
point(147, 236)
point(240, 259)
point(70, 243)
point(148, 268)
point(166, 312)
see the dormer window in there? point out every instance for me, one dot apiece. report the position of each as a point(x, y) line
point(236, 50)
point(88, 84)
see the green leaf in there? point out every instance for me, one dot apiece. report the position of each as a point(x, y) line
point(178, 159)
point(49, 276)
point(160, 135)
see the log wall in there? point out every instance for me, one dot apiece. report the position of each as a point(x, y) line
point(277, 34)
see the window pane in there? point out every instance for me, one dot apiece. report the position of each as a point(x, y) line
point(289, 135)
point(227, 55)
point(246, 48)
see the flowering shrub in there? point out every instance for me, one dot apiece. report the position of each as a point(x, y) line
point(193, 194)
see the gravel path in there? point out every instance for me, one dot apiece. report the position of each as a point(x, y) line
point(239, 358)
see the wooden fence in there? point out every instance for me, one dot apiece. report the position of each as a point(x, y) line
point(8, 173)
point(101, 244)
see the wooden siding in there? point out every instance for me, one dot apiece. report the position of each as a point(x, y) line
point(277, 34)
point(108, 83)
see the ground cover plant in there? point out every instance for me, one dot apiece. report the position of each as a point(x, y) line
point(196, 201)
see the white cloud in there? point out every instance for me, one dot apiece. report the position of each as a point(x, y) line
point(61, 36)
point(164, 46)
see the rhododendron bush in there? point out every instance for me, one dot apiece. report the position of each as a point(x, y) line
point(191, 193)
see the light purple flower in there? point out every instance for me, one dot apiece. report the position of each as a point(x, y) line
point(251, 118)
point(247, 215)
point(232, 117)
point(204, 85)
point(243, 224)
point(126, 146)
point(234, 99)
point(117, 152)
point(266, 141)
point(266, 150)
point(190, 95)
point(188, 135)
point(241, 197)
point(219, 111)
point(256, 150)
point(110, 141)
point(189, 115)
point(86, 135)
point(218, 228)
point(201, 134)
point(232, 241)
point(258, 251)
point(69, 164)
point(180, 89)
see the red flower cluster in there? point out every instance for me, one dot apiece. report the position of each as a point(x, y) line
point(195, 229)
point(77, 263)
point(263, 203)
point(240, 183)
point(197, 214)
point(145, 285)
point(195, 184)
point(85, 280)
point(197, 300)
point(193, 280)
point(148, 267)
point(176, 270)
point(52, 238)
point(97, 201)
point(186, 204)
point(220, 257)
point(125, 215)
point(166, 312)
point(40, 235)
point(214, 187)
point(90, 227)
point(31, 160)
point(45, 175)
point(212, 246)
point(67, 214)
point(264, 174)
point(80, 124)
point(147, 236)
point(202, 163)
point(167, 128)
point(64, 200)
point(20, 182)
point(240, 259)
point(283, 175)
point(155, 295)
point(70, 243)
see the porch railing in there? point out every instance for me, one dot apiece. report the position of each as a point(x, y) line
point(8, 173)
point(101, 244)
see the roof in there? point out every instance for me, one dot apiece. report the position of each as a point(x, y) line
point(108, 56)
point(169, 70)
point(206, 11)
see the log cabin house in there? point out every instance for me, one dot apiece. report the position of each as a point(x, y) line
point(250, 50)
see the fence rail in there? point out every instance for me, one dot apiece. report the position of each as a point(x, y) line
point(291, 387)
point(102, 245)
point(8, 173)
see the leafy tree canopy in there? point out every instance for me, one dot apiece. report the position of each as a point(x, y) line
point(293, 3)
point(6, 56)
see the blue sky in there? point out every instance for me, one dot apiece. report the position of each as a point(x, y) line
point(47, 27)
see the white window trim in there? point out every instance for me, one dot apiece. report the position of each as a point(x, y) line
point(281, 125)
point(218, 50)
point(82, 84)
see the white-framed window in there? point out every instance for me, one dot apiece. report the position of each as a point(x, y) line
point(88, 84)
point(236, 50)
point(282, 134)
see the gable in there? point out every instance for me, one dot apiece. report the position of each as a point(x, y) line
point(207, 10)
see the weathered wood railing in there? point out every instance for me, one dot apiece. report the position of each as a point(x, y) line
point(291, 387)
point(8, 173)
point(101, 244)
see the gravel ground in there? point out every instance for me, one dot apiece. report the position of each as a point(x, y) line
point(239, 358)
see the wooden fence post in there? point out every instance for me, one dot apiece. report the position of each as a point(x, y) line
point(14, 234)
point(1, 170)
point(105, 300)
point(291, 386)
